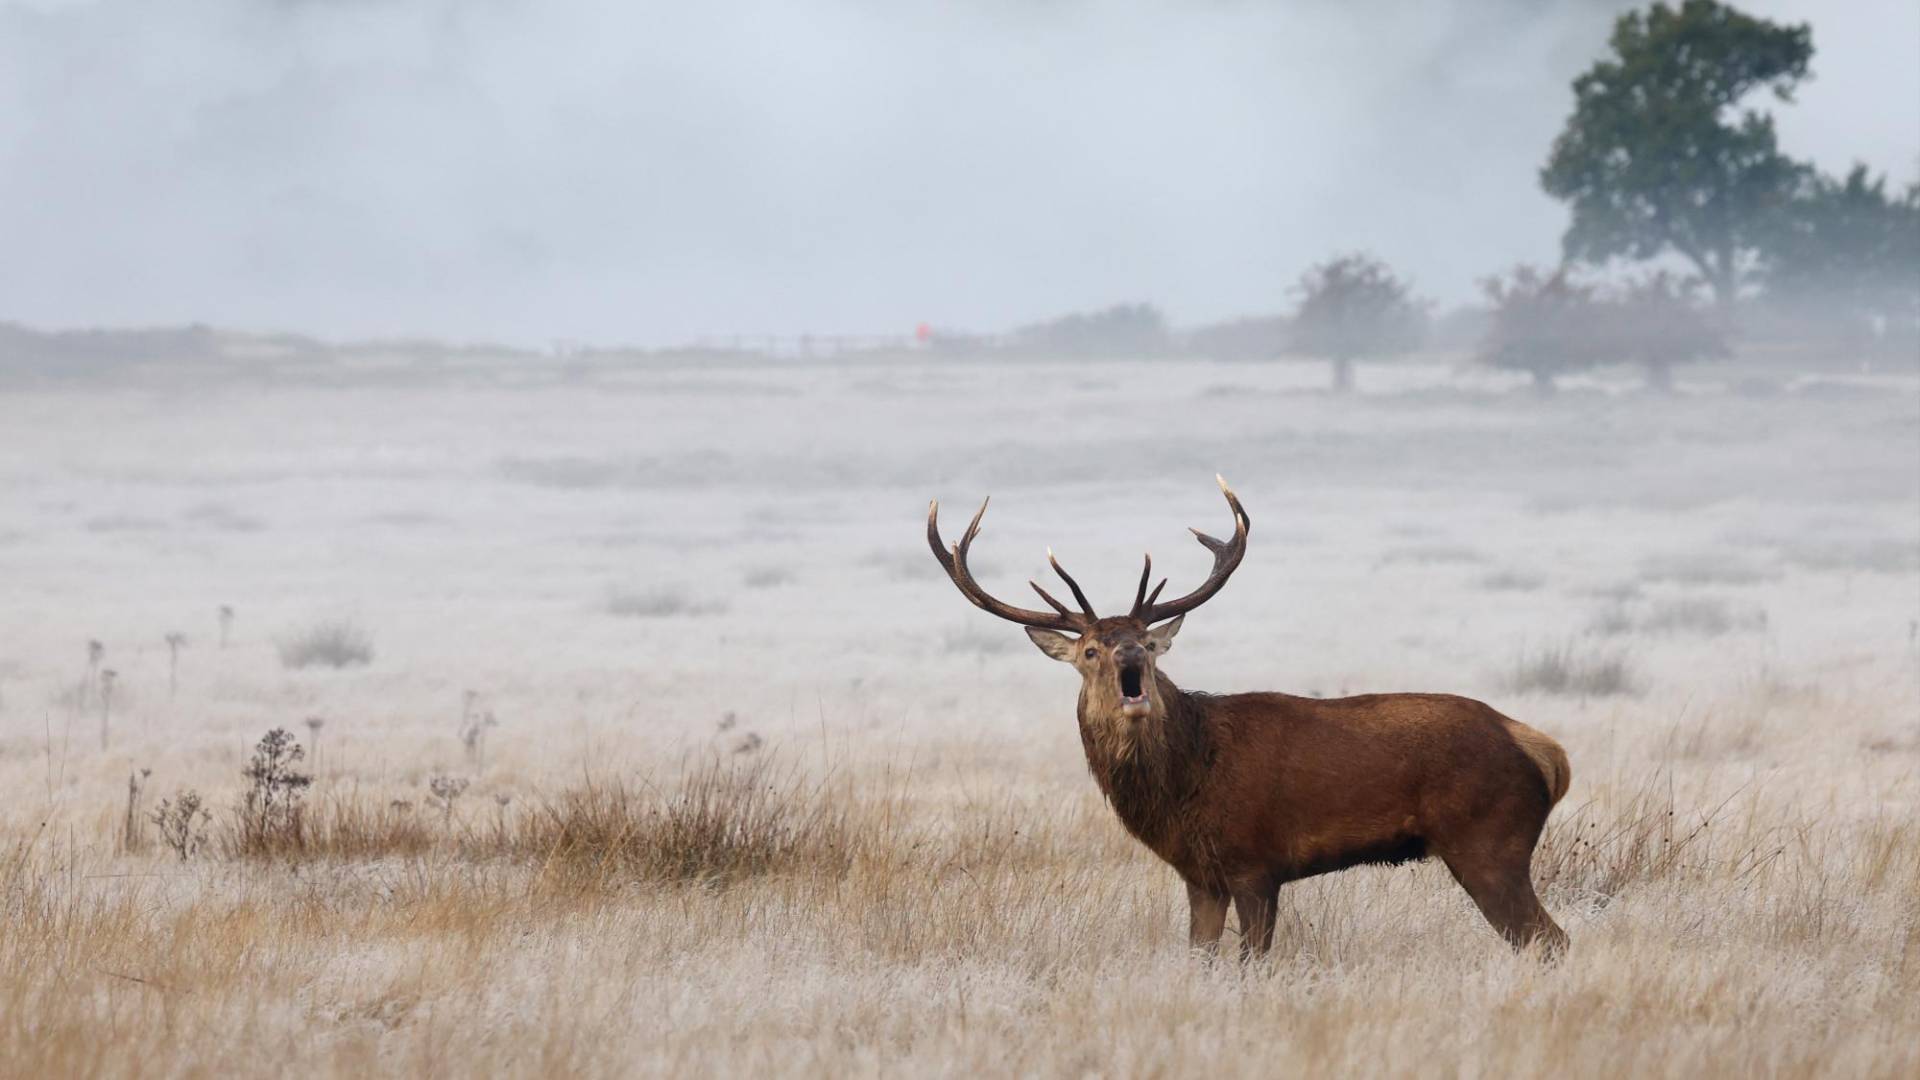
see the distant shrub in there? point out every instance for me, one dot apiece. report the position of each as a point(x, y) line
point(1700, 615)
point(566, 474)
point(334, 643)
point(1703, 616)
point(1702, 568)
point(767, 577)
point(1512, 581)
point(657, 603)
point(1563, 669)
point(1888, 555)
point(1121, 330)
point(223, 517)
point(1239, 339)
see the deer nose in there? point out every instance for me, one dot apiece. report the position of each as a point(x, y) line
point(1130, 654)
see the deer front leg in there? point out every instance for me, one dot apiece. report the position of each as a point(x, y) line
point(1206, 918)
point(1257, 908)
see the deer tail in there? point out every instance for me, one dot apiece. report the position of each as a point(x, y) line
point(1547, 756)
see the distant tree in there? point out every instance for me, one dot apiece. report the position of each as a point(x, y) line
point(1543, 323)
point(1654, 158)
point(1654, 322)
point(1847, 251)
point(1353, 307)
point(1255, 338)
point(1124, 330)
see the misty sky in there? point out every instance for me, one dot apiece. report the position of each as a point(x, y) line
point(539, 170)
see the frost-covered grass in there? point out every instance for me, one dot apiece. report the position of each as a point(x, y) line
point(838, 824)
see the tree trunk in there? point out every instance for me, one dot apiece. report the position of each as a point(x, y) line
point(1719, 274)
point(1725, 281)
point(1660, 376)
point(1726, 292)
point(1342, 375)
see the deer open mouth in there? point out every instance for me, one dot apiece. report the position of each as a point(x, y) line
point(1133, 688)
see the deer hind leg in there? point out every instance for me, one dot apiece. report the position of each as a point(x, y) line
point(1256, 909)
point(1500, 880)
point(1206, 919)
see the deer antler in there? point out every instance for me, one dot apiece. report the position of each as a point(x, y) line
point(1226, 557)
point(955, 563)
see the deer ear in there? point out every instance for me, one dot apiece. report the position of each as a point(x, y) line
point(1162, 635)
point(1053, 643)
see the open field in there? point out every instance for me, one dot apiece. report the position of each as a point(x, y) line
point(764, 795)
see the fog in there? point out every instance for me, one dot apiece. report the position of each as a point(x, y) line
point(466, 598)
point(526, 172)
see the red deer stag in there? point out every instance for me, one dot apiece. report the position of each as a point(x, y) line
point(1241, 793)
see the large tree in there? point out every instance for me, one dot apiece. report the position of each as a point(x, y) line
point(1353, 307)
point(1660, 155)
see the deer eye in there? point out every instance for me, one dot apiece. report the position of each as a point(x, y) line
point(1151, 646)
point(1091, 653)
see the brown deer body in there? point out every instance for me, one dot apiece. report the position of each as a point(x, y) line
point(1242, 793)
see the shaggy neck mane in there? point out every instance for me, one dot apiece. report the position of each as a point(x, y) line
point(1150, 770)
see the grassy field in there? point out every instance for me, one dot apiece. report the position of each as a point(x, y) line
point(657, 743)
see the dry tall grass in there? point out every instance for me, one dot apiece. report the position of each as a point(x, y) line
point(734, 914)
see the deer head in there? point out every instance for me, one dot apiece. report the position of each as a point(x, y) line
point(1116, 657)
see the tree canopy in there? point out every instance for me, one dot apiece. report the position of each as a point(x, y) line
point(1353, 307)
point(1544, 323)
point(1549, 324)
point(1659, 156)
point(1849, 251)
point(1653, 321)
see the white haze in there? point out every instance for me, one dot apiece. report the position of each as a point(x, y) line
point(645, 173)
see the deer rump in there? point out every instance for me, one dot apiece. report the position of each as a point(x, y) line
point(1242, 793)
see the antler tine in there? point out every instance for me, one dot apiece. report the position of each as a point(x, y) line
point(1140, 594)
point(1226, 558)
point(1051, 602)
point(973, 527)
point(1079, 596)
point(1155, 595)
point(954, 562)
